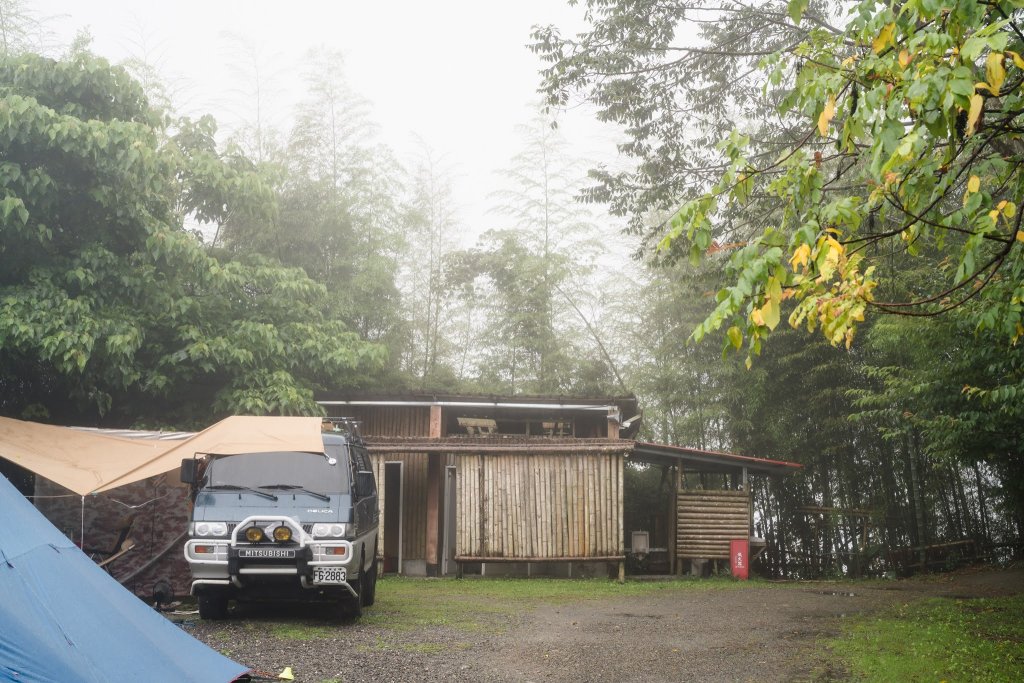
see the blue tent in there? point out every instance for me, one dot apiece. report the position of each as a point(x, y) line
point(63, 619)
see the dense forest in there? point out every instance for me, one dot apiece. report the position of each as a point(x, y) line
point(789, 161)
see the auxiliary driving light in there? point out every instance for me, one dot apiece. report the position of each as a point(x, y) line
point(282, 534)
point(254, 534)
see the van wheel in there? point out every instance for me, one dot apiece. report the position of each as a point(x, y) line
point(351, 606)
point(213, 607)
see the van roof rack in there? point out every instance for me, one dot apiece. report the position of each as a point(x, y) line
point(346, 425)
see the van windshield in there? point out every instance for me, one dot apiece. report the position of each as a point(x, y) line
point(290, 468)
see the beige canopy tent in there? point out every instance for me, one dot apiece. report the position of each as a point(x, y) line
point(89, 462)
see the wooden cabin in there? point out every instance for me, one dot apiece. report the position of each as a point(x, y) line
point(472, 482)
point(535, 484)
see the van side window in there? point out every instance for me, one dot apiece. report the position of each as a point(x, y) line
point(363, 464)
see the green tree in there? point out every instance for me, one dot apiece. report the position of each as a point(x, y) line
point(903, 126)
point(109, 309)
point(531, 277)
point(339, 210)
point(437, 322)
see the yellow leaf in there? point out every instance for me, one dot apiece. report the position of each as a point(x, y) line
point(1017, 59)
point(977, 104)
point(994, 215)
point(826, 115)
point(1020, 235)
point(883, 39)
point(757, 317)
point(836, 246)
point(770, 312)
point(974, 184)
point(904, 58)
point(983, 86)
point(994, 71)
point(800, 256)
point(1010, 210)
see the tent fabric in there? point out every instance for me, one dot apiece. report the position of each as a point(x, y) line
point(62, 618)
point(80, 461)
point(233, 435)
point(88, 462)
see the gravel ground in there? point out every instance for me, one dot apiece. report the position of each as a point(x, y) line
point(758, 631)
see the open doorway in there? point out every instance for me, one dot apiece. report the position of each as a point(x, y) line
point(393, 517)
point(648, 516)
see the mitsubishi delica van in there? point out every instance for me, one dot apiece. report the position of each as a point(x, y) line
point(285, 526)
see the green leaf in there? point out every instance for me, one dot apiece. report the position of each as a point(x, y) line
point(735, 337)
point(796, 9)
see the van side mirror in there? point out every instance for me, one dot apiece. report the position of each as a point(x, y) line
point(189, 470)
point(364, 483)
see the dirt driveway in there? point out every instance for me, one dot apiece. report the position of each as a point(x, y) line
point(439, 630)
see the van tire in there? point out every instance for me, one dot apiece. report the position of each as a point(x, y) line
point(351, 606)
point(370, 586)
point(213, 607)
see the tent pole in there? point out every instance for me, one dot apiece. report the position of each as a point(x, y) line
point(81, 534)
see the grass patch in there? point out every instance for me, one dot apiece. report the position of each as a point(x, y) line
point(939, 639)
point(485, 604)
point(301, 631)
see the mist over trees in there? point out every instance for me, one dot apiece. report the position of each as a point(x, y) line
point(160, 270)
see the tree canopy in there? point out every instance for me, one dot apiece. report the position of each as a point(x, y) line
point(876, 135)
point(109, 307)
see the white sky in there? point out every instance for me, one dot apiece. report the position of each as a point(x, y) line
point(455, 73)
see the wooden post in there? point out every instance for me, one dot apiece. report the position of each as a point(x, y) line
point(677, 486)
point(434, 481)
point(613, 423)
point(436, 424)
point(433, 516)
point(750, 502)
point(673, 522)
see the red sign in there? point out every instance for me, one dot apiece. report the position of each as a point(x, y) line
point(739, 555)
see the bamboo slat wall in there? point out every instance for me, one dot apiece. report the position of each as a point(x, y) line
point(708, 520)
point(539, 507)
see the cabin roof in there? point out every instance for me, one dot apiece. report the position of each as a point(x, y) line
point(624, 403)
point(708, 461)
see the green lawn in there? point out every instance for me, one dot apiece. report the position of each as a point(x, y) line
point(474, 604)
point(939, 639)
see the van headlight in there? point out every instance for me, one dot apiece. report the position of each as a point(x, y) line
point(210, 529)
point(329, 531)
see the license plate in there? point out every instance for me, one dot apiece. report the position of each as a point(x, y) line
point(328, 575)
point(267, 553)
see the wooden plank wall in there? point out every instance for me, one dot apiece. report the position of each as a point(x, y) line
point(389, 420)
point(539, 506)
point(400, 421)
point(708, 520)
point(414, 499)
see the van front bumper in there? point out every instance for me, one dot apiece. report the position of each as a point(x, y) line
point(228, 562)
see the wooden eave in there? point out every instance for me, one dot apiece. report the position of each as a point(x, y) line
point(494, 445)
